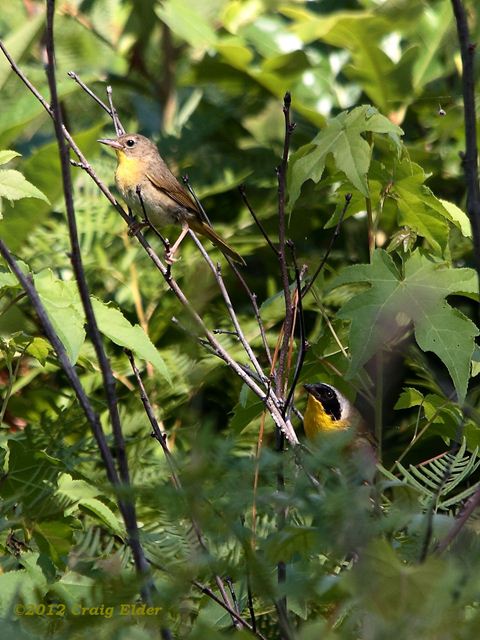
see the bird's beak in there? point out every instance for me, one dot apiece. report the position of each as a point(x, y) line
point(111, 143)
point(308, 387)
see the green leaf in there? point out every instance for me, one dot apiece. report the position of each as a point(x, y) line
point(63, 306)
point(19, 43)
point(103, 513)
point(409, 397)
point(6, 155)
point(39, 348)
point(115, 326)
point(393, 302)
point(14, 186)
point(458, 217)
point(434, 27)
point(342, 137)
point(55, 538)
point(418, 208)
point(76, 489)
point(23, 584)
point(8, 279)
point(187, 22)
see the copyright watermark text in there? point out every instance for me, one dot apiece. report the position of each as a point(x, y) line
point(101, 611)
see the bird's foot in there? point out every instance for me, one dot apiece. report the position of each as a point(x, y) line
point(169, 257)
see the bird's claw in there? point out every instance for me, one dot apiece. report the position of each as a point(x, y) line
point(169, 259)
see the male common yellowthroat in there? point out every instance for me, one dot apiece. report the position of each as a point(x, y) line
point(328, 410)
point(141, 168)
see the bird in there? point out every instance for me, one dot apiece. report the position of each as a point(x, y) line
point(149, 188)
point(329, 410)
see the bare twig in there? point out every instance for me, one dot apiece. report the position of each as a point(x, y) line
point(302, 352)
point(156, 431)
point(217, 272)
point(280, 375)
point(243, 193)
point(252, 296)
point(65, 363)
point(445, 477)
point(472, 503)
point(119, 130)
point(186, 182)
point(161, 438)
point(335, 234)
point(76, 259)
point(208, 592)
point(93, 95)
point(470, 162)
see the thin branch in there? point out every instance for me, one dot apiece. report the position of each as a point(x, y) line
point(302, 352)
point(65, 363)
point(217, 272)
point(186, 182)
point(243, 193)
point(284, 425)
point(129, 514)
point(161, 438)
point(334, 236)
point(119, 130)
point(470, 162)
point(76, 78)
point(252, 296)
point(289, 312)
point(156, 431)
point(445, 477)
point(472, 503)
point(208, 592)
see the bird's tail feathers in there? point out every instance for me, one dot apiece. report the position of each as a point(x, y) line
point(205, 230)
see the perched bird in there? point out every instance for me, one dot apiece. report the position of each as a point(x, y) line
point(329, 410)
point(149, 188)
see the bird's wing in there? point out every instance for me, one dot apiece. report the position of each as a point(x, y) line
point(173, 189)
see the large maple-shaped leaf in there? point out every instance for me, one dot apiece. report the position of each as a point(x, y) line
point(417, 296)
point(343, 138)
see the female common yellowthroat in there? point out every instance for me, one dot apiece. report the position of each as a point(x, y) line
point(328, 410)
point(140, 168)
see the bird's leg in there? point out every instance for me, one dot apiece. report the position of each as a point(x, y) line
point(169, 255)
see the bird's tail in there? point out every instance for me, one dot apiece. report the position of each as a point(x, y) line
point(205, 230)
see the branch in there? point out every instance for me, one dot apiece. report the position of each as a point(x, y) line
point(243, 193)
point(472, 503)
point(217, 272)
point(303, 340)
point(306, 289)
point(119, 130)
point(236, 270)
point(76, 78)
point(65, 363)
point(470, 163)
point(289, 313)
point(76, 259)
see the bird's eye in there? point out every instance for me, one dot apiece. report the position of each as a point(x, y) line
point(130, 142)
point(328, 393)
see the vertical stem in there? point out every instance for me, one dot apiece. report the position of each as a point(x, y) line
point(126, 505)
point(281, 375)
point(379, 403)
point(368, 205)
point(470, 163)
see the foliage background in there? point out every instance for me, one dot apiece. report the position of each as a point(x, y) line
point(206, 83)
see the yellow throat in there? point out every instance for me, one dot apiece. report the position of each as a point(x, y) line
point(316, 420)
point(130, 171)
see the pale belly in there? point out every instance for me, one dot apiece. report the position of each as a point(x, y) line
point(158, 207)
